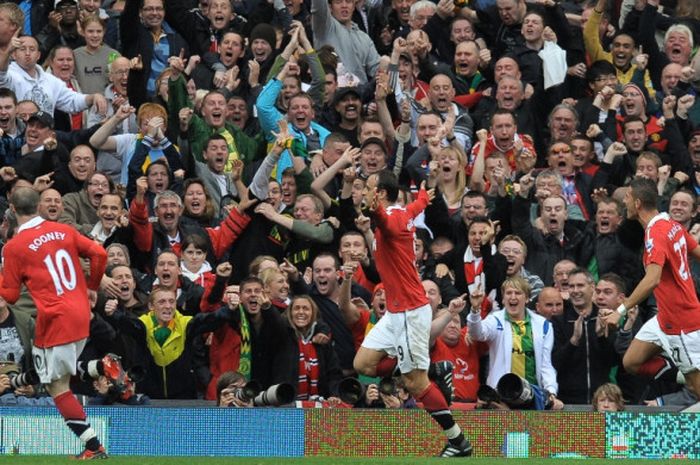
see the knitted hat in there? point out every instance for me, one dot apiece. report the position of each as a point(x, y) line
point(641, 90)
point(265, 32)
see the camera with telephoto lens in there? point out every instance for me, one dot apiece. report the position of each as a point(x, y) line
point(274, 396)
point(246, 393)
point(387, 386)
point(518, 393)
point(351, 390)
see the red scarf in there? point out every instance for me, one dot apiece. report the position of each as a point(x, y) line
point(308, 370)
point(474, 275)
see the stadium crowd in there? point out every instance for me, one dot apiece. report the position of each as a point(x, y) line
point(222, 153)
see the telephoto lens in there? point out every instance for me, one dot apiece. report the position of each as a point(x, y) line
point(274, 396)
point(248, 392)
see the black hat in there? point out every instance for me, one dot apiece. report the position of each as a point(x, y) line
point(65, 2)
point(265, 32)
point(375, 141)
point(341, 92)
point(42, 117)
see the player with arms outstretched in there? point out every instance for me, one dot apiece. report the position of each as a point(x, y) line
point(44, 256)
point(675, 329)
point(404, 331)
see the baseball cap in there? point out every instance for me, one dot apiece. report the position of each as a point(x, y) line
point(341, 92)
point(375, 141)
point(42, 117)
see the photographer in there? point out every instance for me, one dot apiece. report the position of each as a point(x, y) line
point(228, 389)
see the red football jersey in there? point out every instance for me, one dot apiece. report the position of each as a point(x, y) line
point(667, 244)
point(465, 358)
point(395, 254)
point(44, 256)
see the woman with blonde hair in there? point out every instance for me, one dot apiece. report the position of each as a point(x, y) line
point(276, 287)
point(448, 175)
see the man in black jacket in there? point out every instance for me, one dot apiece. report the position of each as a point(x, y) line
point(583, 353)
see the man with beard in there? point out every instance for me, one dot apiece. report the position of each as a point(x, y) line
point(583, 352)
point(348, 105)
point(239, 114)
point(80, 208)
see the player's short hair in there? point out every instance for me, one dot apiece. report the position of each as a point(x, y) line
point(25, 200)
point(619, 207)
point(388, 182)
point(583, 271)
point(336, 260)
point(616, 281)
point(7, 93)
point(156, 290)
point(250, 280)
point(645, 191)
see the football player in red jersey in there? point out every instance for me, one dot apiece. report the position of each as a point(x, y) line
point(404, 331)
point(45, 257)
point(676, 328)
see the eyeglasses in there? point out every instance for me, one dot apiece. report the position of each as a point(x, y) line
point(121, 72)
point(98, 184)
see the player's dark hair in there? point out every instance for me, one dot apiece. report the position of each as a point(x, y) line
point(616, 281)
point(580, 270)
point(599, 68)
point(645, 191)
point(387, 181)
point(250, 280)
point(478, 220)
point(336, 259)
point(632, 119)
point(25, 200)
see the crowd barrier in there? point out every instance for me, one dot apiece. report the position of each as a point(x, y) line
point(286, 432)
